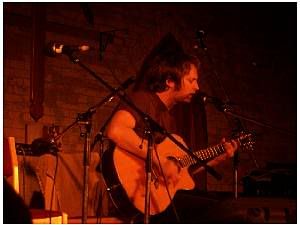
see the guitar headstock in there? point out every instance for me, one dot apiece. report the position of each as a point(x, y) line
point(246, 141)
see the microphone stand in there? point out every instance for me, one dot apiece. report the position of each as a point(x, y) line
point(153, 124)
point(86, 120)
point(200, 34)
point(225, 108)
point(240, 116)
point(86, 164)
point(228, 109)
point(148, 169)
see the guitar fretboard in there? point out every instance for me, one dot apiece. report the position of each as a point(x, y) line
point(203, 155)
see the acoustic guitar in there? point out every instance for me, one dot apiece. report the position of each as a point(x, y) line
point(125, 178)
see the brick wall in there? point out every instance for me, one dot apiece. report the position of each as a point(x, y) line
point(256, 67)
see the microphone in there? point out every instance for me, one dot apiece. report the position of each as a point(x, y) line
point(53, 49)
point(202, 96)
point(218, 103)
point(200, 34)
point(207, 98)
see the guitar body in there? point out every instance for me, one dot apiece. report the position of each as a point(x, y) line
point(125, 177)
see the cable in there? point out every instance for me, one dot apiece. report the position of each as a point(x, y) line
point(100, 206)
point(53, 186)
point(23, 172)
point(98, 193)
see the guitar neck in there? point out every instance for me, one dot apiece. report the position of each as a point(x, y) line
point(203, 155)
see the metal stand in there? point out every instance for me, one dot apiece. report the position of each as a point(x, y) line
point(85, 119)
point(226, 109)
point(148, 169)
point(200, 36)
point(86, 164)
point(235, 174)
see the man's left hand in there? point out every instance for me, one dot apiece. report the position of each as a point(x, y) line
point(230, 147)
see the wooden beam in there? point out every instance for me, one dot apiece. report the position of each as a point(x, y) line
point(37, 72)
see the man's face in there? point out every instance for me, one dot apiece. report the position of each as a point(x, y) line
point(189, 86)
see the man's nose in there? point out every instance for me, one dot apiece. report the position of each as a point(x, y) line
point(196, 86)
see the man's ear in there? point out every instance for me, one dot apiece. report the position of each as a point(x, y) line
point(170, 83)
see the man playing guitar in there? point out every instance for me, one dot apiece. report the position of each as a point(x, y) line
point(163, 81)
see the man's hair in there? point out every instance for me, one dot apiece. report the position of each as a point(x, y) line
point(154, 74)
